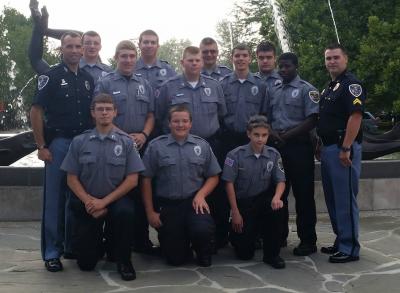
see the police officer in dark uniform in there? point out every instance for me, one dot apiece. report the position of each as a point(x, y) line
point(103, 166)
point(209, 51)
point(155, 70)
point(186, 172)
point(60, 111)
point(339, 128)
point(249, 171)
point(266, 57)
point(292, 113)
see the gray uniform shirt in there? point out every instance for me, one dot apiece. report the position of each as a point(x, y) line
point(180, 169)
point(251, 175)
point(97, 71)
point(205, 101)
point(101, 164)
point(271, 79)
point(290, 104)
point(134, 98)
point(218, 72)
point(155, 74)
point(243, 100)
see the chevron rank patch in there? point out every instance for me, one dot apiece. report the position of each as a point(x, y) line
point(357, 101)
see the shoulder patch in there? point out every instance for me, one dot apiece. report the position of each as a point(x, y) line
point(42, 81)
point(355, 90)
point(229, 162)
point(314, 96)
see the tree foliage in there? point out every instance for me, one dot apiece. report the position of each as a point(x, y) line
point(17, 84)
point(171, 51)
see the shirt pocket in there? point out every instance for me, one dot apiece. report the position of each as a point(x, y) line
point(252, 104)
point(144, 103)
point(120, 101)
point(209, 103)
point(182, 99)
point(295, 107)
point(116, 169)
point(196, 167)
point(231, 102)
point(88, 165)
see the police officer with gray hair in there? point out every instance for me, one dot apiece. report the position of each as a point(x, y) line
point(292, 113)
point(209, 51)
point(103, 166)
point(186, 172)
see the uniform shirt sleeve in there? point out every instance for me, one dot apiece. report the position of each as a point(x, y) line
point(43, 92)
point(212, 167)
point(150, 162)
point(134, 163)
point(278, 173)
point(99, 87)
point(311, 100)
point(71, 161)
point(230, 171)
point(354, 97)
point(222, 111)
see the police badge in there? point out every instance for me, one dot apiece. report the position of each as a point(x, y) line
point(163, 72)
point(254, 90)
point(118, 150)
point(87, 85)
point(42, 81)
point(278, 82)
point(197, 150)
point(270, 165)
point(295, 93)
point(355, 90)
point(314, 96)
point(336, 86)
point(207, 91)
point(141, 89)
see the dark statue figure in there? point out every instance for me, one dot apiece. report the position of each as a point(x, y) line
point(16, 147)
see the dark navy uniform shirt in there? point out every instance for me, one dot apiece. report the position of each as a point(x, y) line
point(180, 169)
point(243, 100)
point(102, 163)
point(65, 98)
point(205, 101)
point(339, 100)
point(218, 72)
point(251, 175)
point(156, 73)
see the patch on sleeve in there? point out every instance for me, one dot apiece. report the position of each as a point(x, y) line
point(314, 96)
point(229, 162)
point(42, 81)
point(280, 165)
point(357, 101)
point(355, 90)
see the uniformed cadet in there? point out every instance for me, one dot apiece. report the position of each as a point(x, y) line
point(209, 51)
point(341, 111)
point(292, 113)
point(91, 42)
point(266, 58)
point(60, 111)
point(249, 171)
point(134, 98)
point(155, 70)
point(186, 172)
point(201, 94)
point(102, 166)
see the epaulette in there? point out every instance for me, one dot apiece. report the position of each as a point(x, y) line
point(199, 137)
point(352, 77)
point(158, 138)
point(121, 132)
point(223, 66)
point(272, 149)
point(238, 149)
point(307, 83)
point(225, 76)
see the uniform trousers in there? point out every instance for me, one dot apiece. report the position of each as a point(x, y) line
point(183, 229)
point(258, 219)
point(298, 161)
point(89, 232)
point(340, 188)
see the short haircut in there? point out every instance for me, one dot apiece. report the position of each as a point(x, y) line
point(190, 50)
point(258, 121)
point(90, 34)
point(72, 34)
point(125, 45)
point(179, 108)
point(241, 46)
point(147, 33)
point(208, 41)
point(266, 46)
point(334, 46)
point(102, 98)
point(289, 56)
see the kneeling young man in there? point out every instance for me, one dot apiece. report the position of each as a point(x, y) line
point(103, 166)
point(251, 172)
point(185, 171)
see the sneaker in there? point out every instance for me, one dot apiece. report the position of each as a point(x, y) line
point(53, 265)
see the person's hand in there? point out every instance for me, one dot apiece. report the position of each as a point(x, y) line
point(317, 153)
point(95, 205)
point(344, 158)
point(237, 222)
point(200, 205)
point(35, 13)
point(44, 21)
point(99, 214)
point(276, 203)
point(277, 140)
point(44, 154)
point(139, 139)
point(154, 220)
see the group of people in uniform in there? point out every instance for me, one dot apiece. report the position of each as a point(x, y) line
point(206, 157)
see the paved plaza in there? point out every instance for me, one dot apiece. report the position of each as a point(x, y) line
point(378, 271)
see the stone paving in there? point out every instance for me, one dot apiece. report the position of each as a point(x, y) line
point(378, 271)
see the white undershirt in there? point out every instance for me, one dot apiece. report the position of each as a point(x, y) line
point(193, 83)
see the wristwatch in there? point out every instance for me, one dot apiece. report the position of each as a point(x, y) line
point(345, 149)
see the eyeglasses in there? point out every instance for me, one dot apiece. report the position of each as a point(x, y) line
point(147, 42)
point(212, 52)
point(88, 43)
point(102, 109)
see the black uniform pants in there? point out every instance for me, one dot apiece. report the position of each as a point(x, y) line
point(298, 161)
point(258, 219)
point(182, 227)
point(89, 231)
